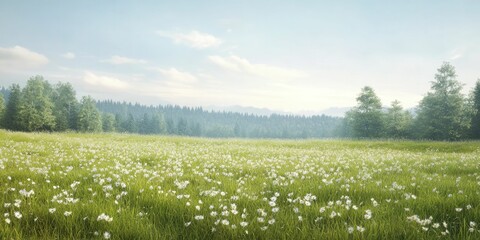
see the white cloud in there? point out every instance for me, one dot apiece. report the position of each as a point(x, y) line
point(104, 81)
point(68, 55)
point(174, 74)
point(193, 39)
point(242, 65)
point(20, 57)
point(117, 60)
point(456, 54)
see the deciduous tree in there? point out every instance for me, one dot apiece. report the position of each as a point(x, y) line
point(36, 107)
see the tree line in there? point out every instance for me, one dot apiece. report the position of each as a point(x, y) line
point(443, 114)
point(41, 106)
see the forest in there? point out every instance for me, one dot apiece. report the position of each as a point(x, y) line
point(444, 113)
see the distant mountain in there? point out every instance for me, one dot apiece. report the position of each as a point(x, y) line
point(336, 111)
point(247, 110)
point(333, 111)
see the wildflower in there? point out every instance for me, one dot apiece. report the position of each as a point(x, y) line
point(8, 221)
point(104, 217)
point(271, 221)
point(360, 229)
point(225, 222)
point(458, 209)
point(199, 217)
point(368, 214)
point(17, 203)
point(52, 210)
point(18, 214)
point(67, 213)
point(350, 230)
point(106, 235)
point(24, 193)
point(187, 224)
point(243, 224)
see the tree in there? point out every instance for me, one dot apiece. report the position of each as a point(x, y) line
point(108, 122)
point(367, 116)
point(11, 120)
point(442, 114)
point(145, 126)
point(36, 108)
point(89, 119)
point(158, 125)
point(2, 110)
point(129, 125)
point(182, 127)
point(65, 107)
point(475, 122)
point(397, 121)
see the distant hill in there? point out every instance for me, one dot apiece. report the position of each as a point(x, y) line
point(246, 110)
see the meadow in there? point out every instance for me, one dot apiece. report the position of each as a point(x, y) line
point(115, 186)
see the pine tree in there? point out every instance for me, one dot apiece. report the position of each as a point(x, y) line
point(89, 119)
point(475, 122)
point(65, 107)
point(367, 117)
point(397, 121)
point(108, 122)
point(2, 110)
point(12, 119)
point(442, 113)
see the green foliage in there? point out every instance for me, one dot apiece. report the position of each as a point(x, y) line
point(442, 114)
point(182, 127)
point(367, 116)
point(36, 107)
point(108, 122)
point(475, 122)
point(158, 124)
point(65, 107)
point(89, 118)
point(12, 117)
point(397, 121)
point(2, 110)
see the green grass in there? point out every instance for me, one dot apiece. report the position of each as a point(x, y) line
point(296, 185)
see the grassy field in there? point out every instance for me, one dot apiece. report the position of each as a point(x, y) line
point(77, 186)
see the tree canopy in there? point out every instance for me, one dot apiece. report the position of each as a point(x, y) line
point(442, 113)
point(367, 115)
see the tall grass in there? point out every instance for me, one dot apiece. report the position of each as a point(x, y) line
point(157, 187)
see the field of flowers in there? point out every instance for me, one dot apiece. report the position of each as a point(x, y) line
point(77, 186)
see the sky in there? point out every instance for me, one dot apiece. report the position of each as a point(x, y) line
point(293, 56)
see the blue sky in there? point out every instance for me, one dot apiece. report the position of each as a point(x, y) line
point(295, 56)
